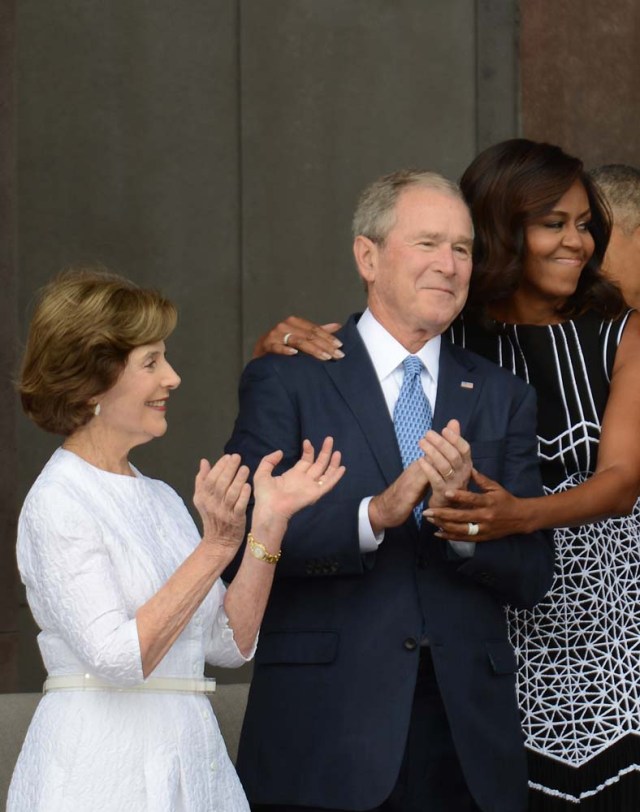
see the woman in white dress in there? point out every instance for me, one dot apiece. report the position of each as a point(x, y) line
point(126, 591)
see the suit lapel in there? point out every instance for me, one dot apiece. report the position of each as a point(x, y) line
point(459, 387)
point(356, 380)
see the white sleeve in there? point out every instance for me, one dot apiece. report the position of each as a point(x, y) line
point(72, 587)
point(465, 549)
point(369, 541)
point(220, 644)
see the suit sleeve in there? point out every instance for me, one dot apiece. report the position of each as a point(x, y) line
point(322, 539)
point(520, 567)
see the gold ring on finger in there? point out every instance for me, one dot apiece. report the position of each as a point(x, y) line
point(449, 473)
point(286, 338)
point(321, 482)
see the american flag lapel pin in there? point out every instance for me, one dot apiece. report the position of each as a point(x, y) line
point(466, 384)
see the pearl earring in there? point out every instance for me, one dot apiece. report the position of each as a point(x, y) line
point(96, 409)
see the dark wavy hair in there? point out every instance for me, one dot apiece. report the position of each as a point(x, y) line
point(505, 187)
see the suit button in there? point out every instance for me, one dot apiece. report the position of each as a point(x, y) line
point(411, 644)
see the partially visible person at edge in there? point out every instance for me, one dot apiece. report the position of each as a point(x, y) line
point(620, 186)
point(125, 590)
point(540, 307)
point(384, 679)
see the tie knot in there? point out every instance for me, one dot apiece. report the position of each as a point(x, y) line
point(413, 366)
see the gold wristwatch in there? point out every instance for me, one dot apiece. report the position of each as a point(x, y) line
point(258, 550)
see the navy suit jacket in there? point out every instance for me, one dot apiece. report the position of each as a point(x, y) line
point(336, 664)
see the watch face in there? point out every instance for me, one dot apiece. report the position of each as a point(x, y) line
point(259, 552)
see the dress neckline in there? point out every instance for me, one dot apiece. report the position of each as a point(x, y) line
point(137, 475)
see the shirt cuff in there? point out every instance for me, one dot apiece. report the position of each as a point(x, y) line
point(369, 541)
point(465, 549)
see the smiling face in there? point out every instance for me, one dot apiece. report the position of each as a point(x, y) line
point(557, 247)
point(418, 278)
point(133, 411)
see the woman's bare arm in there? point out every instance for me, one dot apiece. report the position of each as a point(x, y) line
point(611, 491)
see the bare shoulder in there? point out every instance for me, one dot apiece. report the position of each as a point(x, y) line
point(628, 354)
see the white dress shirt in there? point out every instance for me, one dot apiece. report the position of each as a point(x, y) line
point(387, 356)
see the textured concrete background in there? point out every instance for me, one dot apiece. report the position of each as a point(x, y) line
point(9, 677)
point(580, 69)
point(215, 149)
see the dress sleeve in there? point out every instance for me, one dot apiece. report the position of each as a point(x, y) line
point(610, 337)
point(220, 644)
point(71, 585)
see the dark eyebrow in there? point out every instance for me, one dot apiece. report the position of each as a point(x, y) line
point(560, 212)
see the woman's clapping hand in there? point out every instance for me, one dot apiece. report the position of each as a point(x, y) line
point(302, 485)
point(222, 491)
point(221, 497)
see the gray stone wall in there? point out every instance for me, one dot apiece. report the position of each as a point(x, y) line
point(215, 149)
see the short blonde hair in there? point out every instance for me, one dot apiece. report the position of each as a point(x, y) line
point(85, 324)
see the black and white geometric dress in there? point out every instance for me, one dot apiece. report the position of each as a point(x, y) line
point(579, 650)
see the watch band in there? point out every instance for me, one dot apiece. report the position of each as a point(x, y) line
point(258, 550)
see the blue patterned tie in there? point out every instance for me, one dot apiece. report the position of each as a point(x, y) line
point(412, 417)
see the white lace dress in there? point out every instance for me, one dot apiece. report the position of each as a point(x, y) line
point(92, 548)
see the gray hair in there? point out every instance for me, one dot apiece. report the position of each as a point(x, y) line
point(620, 185)
point(375, 211)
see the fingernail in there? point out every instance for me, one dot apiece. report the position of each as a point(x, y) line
point(428, 514)
point(337, 342)
point(325, 356)
point(338, 354)
point(292, 350)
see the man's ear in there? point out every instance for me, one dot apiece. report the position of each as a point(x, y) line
point(365, 252)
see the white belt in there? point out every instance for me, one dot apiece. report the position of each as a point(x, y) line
point(87, 682)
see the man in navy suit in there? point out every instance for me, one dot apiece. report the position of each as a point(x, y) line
point(384, 678)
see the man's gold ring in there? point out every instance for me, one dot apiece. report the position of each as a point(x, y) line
point(473, 529)
point(449, 473)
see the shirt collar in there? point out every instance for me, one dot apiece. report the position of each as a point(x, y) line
point(387, 354)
